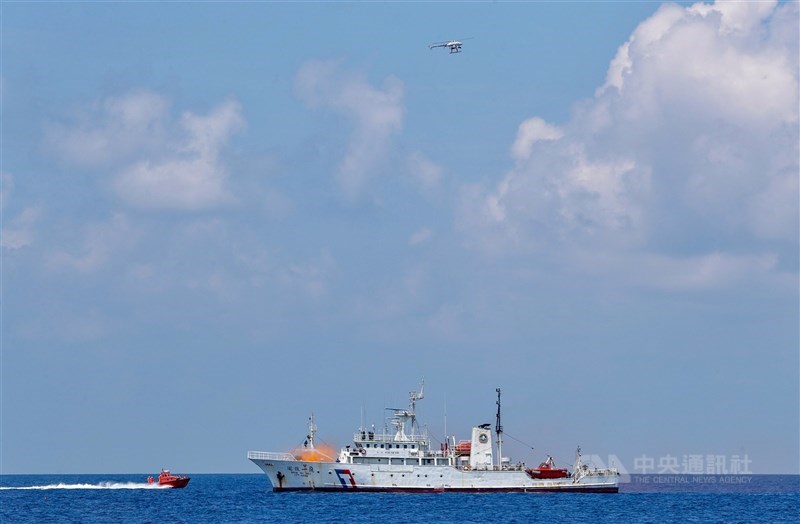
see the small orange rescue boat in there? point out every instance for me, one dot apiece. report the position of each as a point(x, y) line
point(168, 479)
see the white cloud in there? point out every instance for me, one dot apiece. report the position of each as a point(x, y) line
point(158, 162)
point(376, 114)
point(421, 237)
point(193, 177)
point(561, 195)
point(110, 130)
point(693, 136)
point(741, 17)
point(425, 172)
point(531, 131)
point(713, 270)
point(100, 243)
point(691, 59)
point(19, 231)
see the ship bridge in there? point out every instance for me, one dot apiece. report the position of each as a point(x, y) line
point(407, 445)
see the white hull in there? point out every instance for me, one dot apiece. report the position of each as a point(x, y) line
point(297, 475)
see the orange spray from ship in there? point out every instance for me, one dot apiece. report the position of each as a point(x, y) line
point(319, 453)
point(312, 451)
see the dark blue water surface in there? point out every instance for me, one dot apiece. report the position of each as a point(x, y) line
point(249, 498)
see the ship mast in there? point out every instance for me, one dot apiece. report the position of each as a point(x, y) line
point(413, 398)
point(312, 429)
point(499, 430)
point(402, 416)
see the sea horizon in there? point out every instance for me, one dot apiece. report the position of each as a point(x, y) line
point(248, 497)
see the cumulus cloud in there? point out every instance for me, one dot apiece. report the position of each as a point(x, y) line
point(693, 136)
point(560, 196)
point(158, 161)
point(110, 130)
point(714, 59)
point(531, 131)
point(192, 177)
point(376, 114)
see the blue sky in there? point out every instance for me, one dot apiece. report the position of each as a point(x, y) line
point(220, 217)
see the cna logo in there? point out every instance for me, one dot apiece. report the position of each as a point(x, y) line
point(483, 438)
point(345, 476)
point(597, 462)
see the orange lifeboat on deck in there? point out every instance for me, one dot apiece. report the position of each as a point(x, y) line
point(548, 470)
point(463, 447)
point(168, 479)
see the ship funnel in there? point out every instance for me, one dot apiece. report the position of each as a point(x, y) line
point(480, 456)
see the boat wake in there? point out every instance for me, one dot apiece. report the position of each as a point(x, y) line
point(101, 485)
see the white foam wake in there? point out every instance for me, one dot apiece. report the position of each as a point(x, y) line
point(101, 485)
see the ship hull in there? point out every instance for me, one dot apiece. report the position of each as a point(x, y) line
point(296, 475)
point(551, 489)
point(175, 483)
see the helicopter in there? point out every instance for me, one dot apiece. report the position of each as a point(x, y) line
point(453, 45)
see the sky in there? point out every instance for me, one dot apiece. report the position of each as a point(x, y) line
point(218, 218)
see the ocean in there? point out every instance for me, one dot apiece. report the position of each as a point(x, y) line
point(249, 498)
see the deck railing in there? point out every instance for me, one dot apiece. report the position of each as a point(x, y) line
point(269, 455)
point(389, 437)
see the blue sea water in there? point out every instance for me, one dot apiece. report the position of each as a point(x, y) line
point(248, 498)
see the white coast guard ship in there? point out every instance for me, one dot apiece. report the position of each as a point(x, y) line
point(404, 461)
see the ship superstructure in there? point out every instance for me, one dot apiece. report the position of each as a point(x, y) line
point(403, 459)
